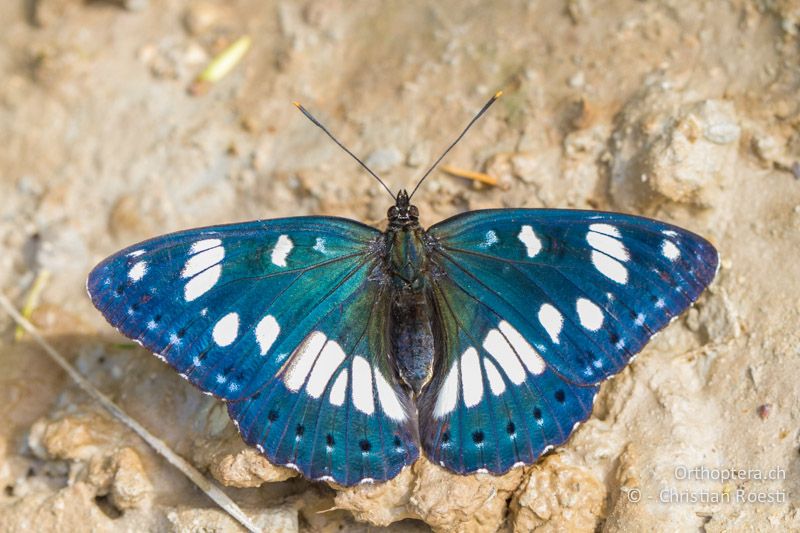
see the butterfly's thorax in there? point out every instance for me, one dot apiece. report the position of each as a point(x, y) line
point(407, 257)
point(408, 264)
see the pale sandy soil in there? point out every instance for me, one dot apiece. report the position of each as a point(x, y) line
point(685, 111)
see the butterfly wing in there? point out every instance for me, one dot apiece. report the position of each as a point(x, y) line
point(349, 422)
point(282, 319)
point(536, 308)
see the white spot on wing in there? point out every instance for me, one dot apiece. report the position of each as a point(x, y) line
point(226, 329)
point(281, 250)
point(205, 244)
point(363, 400)
point(136, 253)
point(608, 245)
point(668, 250)
point(590, 314)
point(390, 403)
point(339, 387)
point(267, 331)
point(610, 267)
point(551, 320)
point(448, 394)
point(530, 357)
point(496, 382)
point(303, 360)
point(532, 243)
point(491, 238)
point(471, 377)
point(203, 260)
point(328, 361)
point(497, 345)
point(319, 245)
point(201, 283)
point(137, 271)
point(606, 229)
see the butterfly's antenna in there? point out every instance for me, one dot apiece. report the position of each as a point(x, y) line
point(318, 124)
point(485, 107)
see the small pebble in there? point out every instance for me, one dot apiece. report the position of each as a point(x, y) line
point(722, 132)
point(764, 410)
point(133, 5)
point(577, 80)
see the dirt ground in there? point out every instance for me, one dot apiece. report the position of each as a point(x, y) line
point(686, 111)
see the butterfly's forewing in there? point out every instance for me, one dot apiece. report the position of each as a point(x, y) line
point(267, 315)
point(537, 307)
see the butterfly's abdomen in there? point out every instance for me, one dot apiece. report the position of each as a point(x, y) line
point(412, 337)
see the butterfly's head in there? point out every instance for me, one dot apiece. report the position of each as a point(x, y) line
point(402, 213)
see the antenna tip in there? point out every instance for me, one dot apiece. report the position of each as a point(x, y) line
point(498, 94)
point(296, 104)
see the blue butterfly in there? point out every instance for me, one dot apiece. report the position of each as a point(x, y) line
point(342, 351)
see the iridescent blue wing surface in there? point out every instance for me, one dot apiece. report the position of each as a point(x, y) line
point(280, 319)
point(536, 308)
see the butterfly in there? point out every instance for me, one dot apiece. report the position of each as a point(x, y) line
point(345, 352)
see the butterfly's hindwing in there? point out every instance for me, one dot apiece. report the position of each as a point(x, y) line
point(537, 307)
point(268, 315)
point(493, 402)
point(335, 410)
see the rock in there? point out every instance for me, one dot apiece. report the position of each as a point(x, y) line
point(74, 437)
point(247, 468)
point(665, 149)
point(72, 508)
point(579, 166)
point(122, 476)
point(558, 497)
point(89, 439)
point(449, 502)
point(379, 504)
point(577, 80)
point(718, 317)
point(445, 501)
point(775, 151)
point(192, 520)
point(234, 464)
point(767, 147)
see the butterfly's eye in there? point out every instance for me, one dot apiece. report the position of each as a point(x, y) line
point(392, 213)
point(413, 211)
